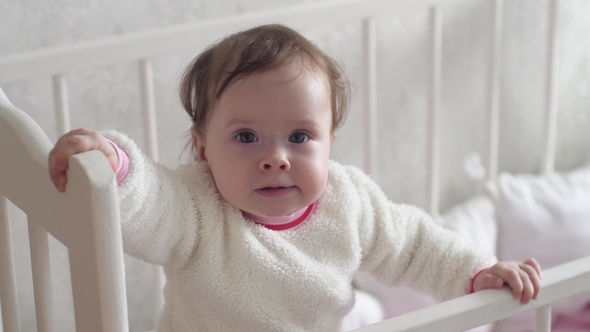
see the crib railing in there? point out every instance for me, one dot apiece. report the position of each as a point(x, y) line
point(492, 305)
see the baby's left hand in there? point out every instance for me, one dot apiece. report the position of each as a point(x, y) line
point(524, 279)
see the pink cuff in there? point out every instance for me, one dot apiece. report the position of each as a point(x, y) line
point(123, 165)
point(472, 288)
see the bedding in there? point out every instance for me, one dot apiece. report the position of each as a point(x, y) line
point(580, 322)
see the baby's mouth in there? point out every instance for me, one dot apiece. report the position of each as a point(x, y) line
point(274, 191)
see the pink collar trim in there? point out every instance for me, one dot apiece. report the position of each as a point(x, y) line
point(284, 222)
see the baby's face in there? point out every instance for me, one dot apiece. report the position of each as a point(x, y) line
point(267, 142)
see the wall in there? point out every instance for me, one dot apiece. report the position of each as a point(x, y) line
point(109, 98)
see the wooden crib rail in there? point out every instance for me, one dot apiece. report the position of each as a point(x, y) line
point(491, 305)
point(85, 219)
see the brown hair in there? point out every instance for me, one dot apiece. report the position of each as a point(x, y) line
point(256, 50)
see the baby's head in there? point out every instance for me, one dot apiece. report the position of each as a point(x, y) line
point(257, 50)
point(265, 104)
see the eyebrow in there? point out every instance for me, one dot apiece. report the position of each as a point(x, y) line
point(236, 122)
point(239, 122)
point(304, 123)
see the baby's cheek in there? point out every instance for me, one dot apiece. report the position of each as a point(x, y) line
point(320, 180)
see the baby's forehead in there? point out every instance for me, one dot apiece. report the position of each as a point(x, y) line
point(286, 84)
point(283, 74)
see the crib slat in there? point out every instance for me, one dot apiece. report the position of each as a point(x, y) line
point(38, 239)
point(62, 105)
point(543, 319)
point(7, 274)
point(370, 97)
point(551, 89)
point(434, 108)
point(494, 92)
point(148, 103)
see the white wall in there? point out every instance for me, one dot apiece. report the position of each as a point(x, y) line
point(109, 98)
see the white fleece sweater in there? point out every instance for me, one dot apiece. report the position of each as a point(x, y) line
point(226, 273)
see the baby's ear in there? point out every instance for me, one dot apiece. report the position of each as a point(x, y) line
point(199, 147)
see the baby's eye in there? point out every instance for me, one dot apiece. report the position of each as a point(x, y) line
point(246, 137)
point(298, 137)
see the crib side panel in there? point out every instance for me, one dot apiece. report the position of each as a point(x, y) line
point(85, 219)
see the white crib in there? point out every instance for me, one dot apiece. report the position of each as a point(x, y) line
point(85, 220)
point(94, 240)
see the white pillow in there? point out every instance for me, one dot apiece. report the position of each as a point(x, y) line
point(546, 217)
point(475, 220)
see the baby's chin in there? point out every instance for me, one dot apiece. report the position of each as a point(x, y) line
point(273, 212)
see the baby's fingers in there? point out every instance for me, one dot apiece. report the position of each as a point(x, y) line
point(522, 278)
point(533, 262)
point(527, 287)
point(58, 157)
point(57, 174)
point(486, 281)
point(514, 280)
point(518, 279)
point(534, 277)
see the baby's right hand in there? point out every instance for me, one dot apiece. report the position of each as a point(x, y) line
point(74, 142)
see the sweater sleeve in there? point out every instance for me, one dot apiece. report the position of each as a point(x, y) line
point(157, 213)
point(402, 245)
point(123, 163)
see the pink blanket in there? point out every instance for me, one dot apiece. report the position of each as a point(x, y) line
point(576, 323)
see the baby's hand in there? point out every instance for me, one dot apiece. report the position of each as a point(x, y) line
point(523, 278)
point(74, 142)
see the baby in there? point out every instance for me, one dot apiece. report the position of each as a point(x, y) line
point(263, 232)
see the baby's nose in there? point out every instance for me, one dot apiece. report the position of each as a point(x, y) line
point(277, 160)
point(282, 166)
